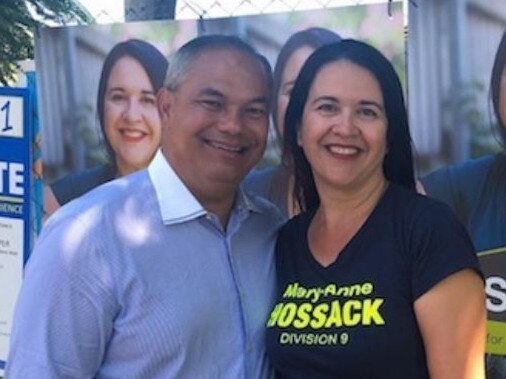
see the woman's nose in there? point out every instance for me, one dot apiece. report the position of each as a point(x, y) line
point(344, 124)
point(132, 112)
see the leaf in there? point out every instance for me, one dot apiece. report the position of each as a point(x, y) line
point(18, 18)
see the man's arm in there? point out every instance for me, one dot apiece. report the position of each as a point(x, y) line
point(64, 313)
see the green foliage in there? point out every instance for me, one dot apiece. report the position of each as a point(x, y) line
point(19, 19)
point(483, 139)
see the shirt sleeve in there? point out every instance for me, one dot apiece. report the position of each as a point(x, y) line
point(65, 310)
point(440, 246)
point(460, 185)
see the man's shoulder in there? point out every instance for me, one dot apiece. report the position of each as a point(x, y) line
point(80, 232)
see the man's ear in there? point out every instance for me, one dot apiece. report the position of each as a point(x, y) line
point(164, 100)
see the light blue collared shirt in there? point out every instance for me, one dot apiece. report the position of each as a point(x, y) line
point(137, 280)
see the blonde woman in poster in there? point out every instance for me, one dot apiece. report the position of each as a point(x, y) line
point(371, 275)
point(476, 191)
point(132, 74)
point(275, 183)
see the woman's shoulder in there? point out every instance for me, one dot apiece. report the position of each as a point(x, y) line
point(461, 174)
point(76, 184)
point(270, 183)
point(411, 204)
point(261, 181)
point(462, 185)
point(423, 222)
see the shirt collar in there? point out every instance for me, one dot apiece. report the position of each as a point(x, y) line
point(245, 200)
point(177, 204)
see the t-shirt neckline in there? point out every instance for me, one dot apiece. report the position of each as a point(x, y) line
point(353, 244)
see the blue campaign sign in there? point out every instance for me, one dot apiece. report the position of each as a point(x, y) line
point(15, 204)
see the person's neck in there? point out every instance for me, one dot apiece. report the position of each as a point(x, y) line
point(337, 206)
point(215, 196)
point(125, 170)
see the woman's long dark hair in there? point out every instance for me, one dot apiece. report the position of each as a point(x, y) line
point(398, 162)
point(149, 57)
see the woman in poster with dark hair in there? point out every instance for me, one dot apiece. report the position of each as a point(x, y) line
point(132, 74)
point(371, 275)
point(275, 183)
point(476, 191)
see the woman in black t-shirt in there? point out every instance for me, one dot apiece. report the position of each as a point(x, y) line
point(374, 280)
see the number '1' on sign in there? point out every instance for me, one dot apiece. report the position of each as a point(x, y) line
point(11, 116)
point(6, 109)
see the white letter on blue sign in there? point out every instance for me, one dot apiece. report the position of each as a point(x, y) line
point(14, 185)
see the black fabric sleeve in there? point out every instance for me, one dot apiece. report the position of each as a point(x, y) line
point(440, 246)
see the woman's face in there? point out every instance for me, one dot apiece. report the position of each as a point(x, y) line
point(344, 127)
point(288, 76)
point(131, 121)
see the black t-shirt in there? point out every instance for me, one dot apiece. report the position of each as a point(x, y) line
point(355, 318)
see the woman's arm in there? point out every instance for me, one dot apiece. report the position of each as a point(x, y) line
point(50, 202)
point(452, 321)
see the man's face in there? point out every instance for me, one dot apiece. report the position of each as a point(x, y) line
point(215, 124)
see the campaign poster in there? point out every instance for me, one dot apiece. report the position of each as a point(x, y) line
point(458, 132)
point(69, 63)
point(15, 185)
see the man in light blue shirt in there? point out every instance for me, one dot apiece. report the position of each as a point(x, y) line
point(166, 273)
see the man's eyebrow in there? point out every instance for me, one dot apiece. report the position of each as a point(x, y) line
point(260, 99)
point(209, 91)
